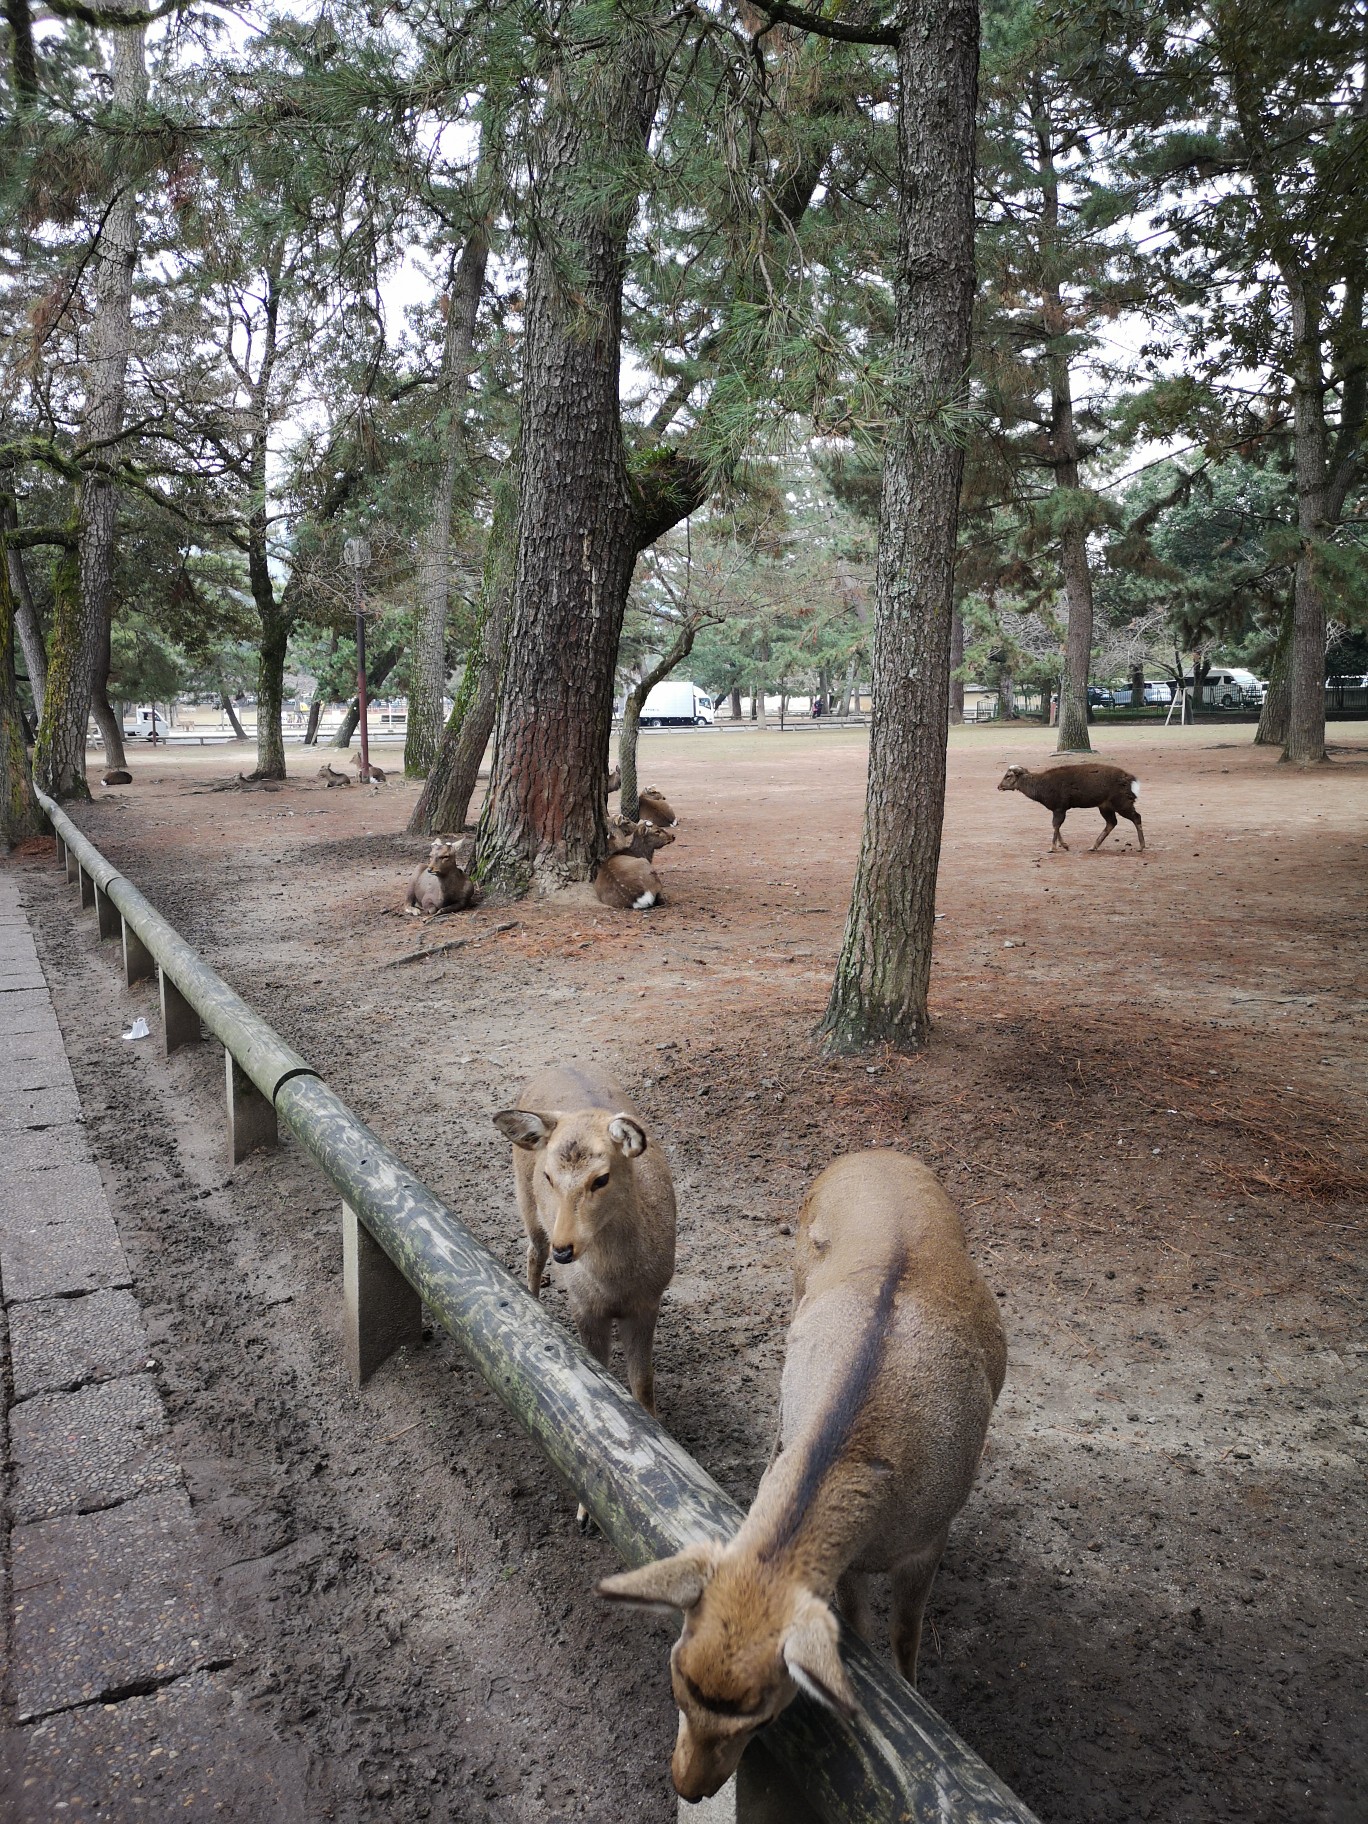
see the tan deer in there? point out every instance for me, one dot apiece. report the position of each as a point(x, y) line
point(442, 883)
point(594, 1191)
point(895, 1357)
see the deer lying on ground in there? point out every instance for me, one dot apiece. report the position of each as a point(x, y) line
point(116, 776)
point(652, 804)
point(1092, 785)
point(330, 778)
point(894, 1359)
point(625, 879)
point(594, 1190)
point(442, 884)
point(377, 775)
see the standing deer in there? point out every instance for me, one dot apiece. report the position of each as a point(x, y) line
point(895, 1357)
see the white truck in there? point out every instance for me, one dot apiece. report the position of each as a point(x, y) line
point(677, 704)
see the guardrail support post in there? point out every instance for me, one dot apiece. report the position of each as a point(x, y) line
point(139, 963)
point(180, 1022)
point(251, 1118)
point(383, 1312)
point(73, 867)
point(61, 853)
point(107, 913)
point(87, 887)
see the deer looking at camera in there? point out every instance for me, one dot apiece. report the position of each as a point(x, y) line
point(442, 884)
point(894, 1359)
point(595, 1192)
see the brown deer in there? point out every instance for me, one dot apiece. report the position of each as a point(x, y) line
point(442, 884)
point(594, 1191)
point(625, 878)
point(376, 774)
point(895, 1357)
point(116, 776)
point(1093, 785)
point(330, 778)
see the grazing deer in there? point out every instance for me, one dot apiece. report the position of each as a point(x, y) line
point(442, 884)
point(895, 1356)
point(594, 1190)
point(1090, 786)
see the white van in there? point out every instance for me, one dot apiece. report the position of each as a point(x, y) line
point(677, 705)
point(1227, 687)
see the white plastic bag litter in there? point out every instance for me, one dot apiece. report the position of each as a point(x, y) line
point(139, 1029)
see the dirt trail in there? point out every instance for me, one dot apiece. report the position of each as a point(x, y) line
point(1145, 1091)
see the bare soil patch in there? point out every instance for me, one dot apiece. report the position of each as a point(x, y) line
point(1146, 1092)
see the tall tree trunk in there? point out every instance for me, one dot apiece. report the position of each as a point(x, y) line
point(735, 705)
point(1306, 681)
point(315, 717)
point(106, 719)
point(956, 661)
point(19, 813)
point(1272, 729)
point(444, 801)
point(427, 682)
point(882, 979)
point(275, 639)
point(544, 818)
point(26, 623)
point(226, 704)
point(59, 752)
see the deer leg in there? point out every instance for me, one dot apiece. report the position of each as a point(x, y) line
point(912, 1581)
point(1109, 818)
point(852, 1598)
point(638, 1336)
point(537, 1249)
point(596, 1333)
point(1134, 817)
point(1058, 841)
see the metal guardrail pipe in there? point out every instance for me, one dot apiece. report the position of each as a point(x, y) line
point(898, 1760)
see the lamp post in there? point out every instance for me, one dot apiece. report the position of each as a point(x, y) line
point(356, 556)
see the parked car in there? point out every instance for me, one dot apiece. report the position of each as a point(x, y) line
point(1158, 690)
point(1099, 697)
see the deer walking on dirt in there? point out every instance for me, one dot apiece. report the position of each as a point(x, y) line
point(895, 1357)
point(1091, 786)
point(594, 1191)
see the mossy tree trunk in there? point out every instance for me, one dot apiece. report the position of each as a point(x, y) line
point(59, 752)
point(26, 622)
point(19, 813)
point(1272, 729)
point(882, 979)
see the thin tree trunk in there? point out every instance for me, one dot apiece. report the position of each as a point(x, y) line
point(956, 662)
point(275, 638)
point(226, 704)
point(1272, 729)
point(311, 728)
point(380, 666)
point(882, 980)
point(544, 817)
point(427, 682)
point(736, 705)
point(26, 623)
point(108, 723)
point(19, 813)
point(444, 801)
point(1306, 679)
point(759, 713)
point(680, 648)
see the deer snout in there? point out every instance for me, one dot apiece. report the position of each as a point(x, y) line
point(563, 1256)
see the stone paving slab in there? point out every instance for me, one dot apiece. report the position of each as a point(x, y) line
point(59, 1344)
point(20, 976)
point(28, 1010)
point(74, 1452)
point(188, 1751)
point(42, 1067)
point(37, 1108)
point(30, 1198)
point(104, 1602)
point(59, 1259)
point(45, 1149)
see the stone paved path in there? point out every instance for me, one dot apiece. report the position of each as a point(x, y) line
point(117, 1698)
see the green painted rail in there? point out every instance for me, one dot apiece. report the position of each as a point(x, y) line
point(895, 1763)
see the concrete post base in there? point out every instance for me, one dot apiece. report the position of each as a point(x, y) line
point(138, 961)
point(180, 1022)
point(383, 1312)
point(251, 1118)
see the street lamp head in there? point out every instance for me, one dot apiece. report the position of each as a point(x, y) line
point(356, 554)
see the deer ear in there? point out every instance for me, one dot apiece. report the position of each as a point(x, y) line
point(669, 1583)
point(524, 1128)
point(813, 1657)
point(627, 1136)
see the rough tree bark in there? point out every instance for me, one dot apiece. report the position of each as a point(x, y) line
point(81, 615)
point(1272, 729)
point(544, 818)
point(107, 719)
point(428, 680)
point(19, 813)
point(883, 976)
point(26, 623)
point(956, 661)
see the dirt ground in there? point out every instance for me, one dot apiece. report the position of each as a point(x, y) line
point(1146, 1092)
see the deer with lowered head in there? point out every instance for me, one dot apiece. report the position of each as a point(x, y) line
point(895, 1357)
point(625, 878)
point(1092, 785)
point(595, 1193)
